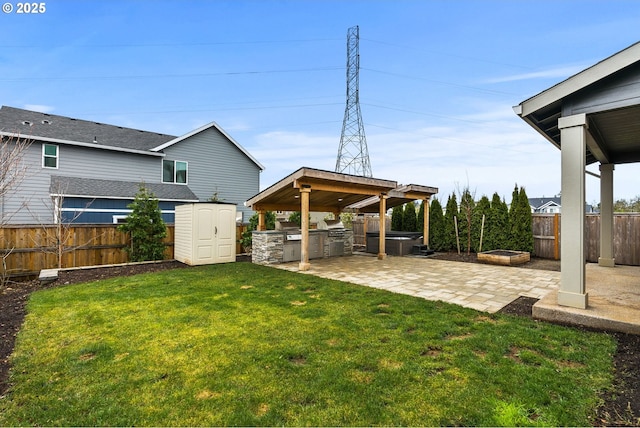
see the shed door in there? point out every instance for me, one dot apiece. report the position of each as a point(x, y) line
point(204, 235)
point(226, 234)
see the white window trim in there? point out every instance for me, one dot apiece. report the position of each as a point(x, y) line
point(175, 171)
point(57, 156)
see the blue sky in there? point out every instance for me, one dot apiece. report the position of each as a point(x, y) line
point(438, 79)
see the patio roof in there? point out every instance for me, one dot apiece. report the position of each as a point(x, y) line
point(333, 191)
point(609, 94)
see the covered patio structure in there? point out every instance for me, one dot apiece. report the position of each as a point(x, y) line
point(309, 189)
point(593, 116)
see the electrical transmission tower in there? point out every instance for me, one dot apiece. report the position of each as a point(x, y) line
point(353, 156)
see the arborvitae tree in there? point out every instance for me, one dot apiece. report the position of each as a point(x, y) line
point(496, 228)
point(521, 233)
point(146, 227)
point(449, 227)
point(482, 208)
point(396, 218)
point(437, 239)
point(409, 217)
point(525, 236)
point(420, 218)
point(465, 226)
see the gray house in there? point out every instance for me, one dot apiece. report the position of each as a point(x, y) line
point(88, 172)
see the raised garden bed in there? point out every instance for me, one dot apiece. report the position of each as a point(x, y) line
point(504, 257)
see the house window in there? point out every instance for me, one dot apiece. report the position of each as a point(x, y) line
point(49, 156)
point(174, 172)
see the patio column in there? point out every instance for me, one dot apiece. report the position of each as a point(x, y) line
point(383, 216)
point(304, 225)
point(573, 137)
point(262, 225)
point(425, 221)
point(606, 215)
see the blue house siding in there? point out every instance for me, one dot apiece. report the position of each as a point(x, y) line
point(85, 210)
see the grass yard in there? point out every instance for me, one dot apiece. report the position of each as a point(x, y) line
point(241, 344)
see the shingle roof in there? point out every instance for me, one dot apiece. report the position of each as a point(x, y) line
point(538, 202)
point(95, 188)
point(26, 122)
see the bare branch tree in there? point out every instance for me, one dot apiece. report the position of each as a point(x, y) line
point(13, 169)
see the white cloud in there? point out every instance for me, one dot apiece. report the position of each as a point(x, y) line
point(39, 107)
point(561, 72)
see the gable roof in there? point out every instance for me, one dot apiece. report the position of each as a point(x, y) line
point(114, 189)
point(608, 93)
point(204, 128)
point(541, 202)
point(65, 129)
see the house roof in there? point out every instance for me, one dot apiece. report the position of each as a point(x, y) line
point(113, 189)
point(540, 202)
point(204, 128)
point(332, 191)
point(608, 93)
point(65, 129)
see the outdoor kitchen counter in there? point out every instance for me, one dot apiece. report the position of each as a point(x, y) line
point(280, 246)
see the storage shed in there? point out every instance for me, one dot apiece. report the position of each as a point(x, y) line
point(205, 233)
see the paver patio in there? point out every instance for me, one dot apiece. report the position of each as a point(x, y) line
point(482, 287)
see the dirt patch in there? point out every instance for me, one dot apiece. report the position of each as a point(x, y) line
point(621, 405)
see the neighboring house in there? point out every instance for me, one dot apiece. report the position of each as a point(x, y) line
point(94, 170)
point(545, 205)
point(552, 205)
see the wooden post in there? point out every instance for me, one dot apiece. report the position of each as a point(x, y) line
point(383, 215)
point(425, 221)
point(261, 220)
point(304, 217)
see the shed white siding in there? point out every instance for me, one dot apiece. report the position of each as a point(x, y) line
point(205, 233)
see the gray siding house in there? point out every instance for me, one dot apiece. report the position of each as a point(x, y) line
point(88, 172)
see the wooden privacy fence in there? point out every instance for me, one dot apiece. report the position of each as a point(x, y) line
point(626, 237)
point(25, 250)
point(547, 236)
point(362, 225)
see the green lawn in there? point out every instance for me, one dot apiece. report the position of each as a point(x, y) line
point(241, 344)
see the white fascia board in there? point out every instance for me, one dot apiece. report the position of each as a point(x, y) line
point(204, 128)
point(79, 144)
point(581, 80)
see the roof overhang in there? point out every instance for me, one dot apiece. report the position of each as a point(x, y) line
point(333, 191)
point(608, 95)
point(31, 138)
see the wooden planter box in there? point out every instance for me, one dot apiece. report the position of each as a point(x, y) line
point(504, 257)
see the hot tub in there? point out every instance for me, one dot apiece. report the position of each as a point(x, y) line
point(396, 243)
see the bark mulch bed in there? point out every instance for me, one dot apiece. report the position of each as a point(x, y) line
point(621, 405)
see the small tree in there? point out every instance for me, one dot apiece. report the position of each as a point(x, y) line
point(396, 217)
point(497, 225)
point(146, 227)
point(246, 239)
point(521, 233)
point(467, 206)
point(449, 224)
point(409, 219)
point(482, 209)
point(437, 240)
point(420, 219)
